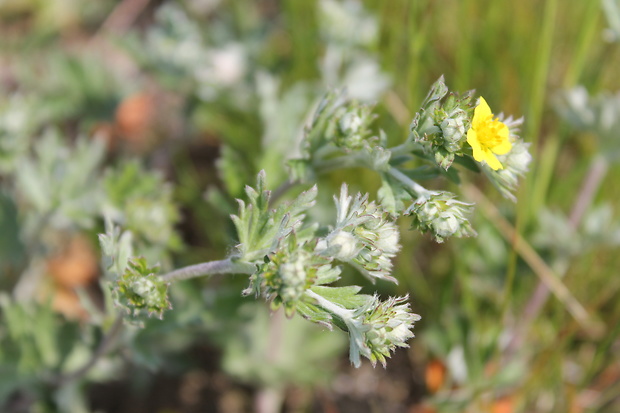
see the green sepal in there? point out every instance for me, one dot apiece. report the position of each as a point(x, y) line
point(314, 313)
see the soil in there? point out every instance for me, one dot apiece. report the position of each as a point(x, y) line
point(397, 388)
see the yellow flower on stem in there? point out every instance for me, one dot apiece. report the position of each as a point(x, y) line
point(488, 136)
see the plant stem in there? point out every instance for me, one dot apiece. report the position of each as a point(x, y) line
point(588, 31)
point(345, 161)
point(226, 266)
point(409, 183)
point(591, 184)
point(589, 188)
point(547, 276)
point(341, 312)
point(403, 149)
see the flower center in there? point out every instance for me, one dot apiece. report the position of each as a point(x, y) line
point(488, 132)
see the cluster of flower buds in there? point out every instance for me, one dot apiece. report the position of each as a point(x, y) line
point(340, 135)
point(139, 288)
point(442, 123)
point(295, 267)
point(375, 327)
point(388, 325)
point(441, 214)
point(289, 272)
point(364, 236)
point(350, 125)
point(598, 114)
point(339, 121)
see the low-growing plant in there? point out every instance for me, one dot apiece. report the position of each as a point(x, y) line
point(293, 263)
point(206, 191)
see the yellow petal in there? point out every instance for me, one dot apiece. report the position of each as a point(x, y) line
point(472, 139)
point(503, 148)
point(492, 161)
point(481, 113)
point(503, 131)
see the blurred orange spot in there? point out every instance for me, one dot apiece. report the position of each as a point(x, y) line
point(76, 265)
point(435, 375)
point(609, 377)
point(575, 407)
point(422, 408)
point(503, 405)
point(135, 118)
point(67, 302)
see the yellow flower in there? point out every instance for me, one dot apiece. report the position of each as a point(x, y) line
point(487, 136)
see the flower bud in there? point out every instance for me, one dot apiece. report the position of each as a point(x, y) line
point(139, 288)
point(364, 236)
point(289, 272)
point(441, 215)
point(379, 327)
point(348, 245)
point(441, 124)
point(453, 130)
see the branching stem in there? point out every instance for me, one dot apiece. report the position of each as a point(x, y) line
point(409, 183)
point(340, 162)
point(341, 312)
point(227, 266)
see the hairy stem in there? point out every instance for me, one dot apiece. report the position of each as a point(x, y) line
point(405, 148)
point(409, 183)
point(227, 266)
point(344, 161)
point(341, 312)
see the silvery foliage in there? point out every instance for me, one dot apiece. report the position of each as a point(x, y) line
point(612, 13)
point(57, 182)
point(599, 115)
point(349, 33)
point(176, 43)
point(293, 267)
point(17, 123)
point(597, 229)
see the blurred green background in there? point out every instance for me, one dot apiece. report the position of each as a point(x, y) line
point(205, 93)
